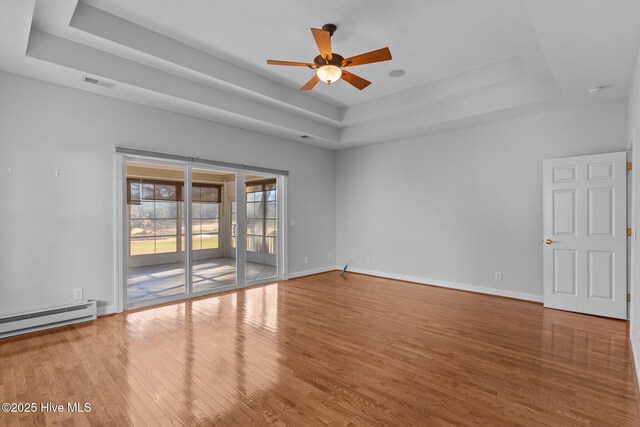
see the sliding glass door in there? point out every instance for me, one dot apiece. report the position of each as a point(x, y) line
point(154, 245)
point(214, 261)
point(192, 229)
point(261, 197)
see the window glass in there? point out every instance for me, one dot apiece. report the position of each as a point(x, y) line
point(153, 213)
point(143, 246)
point(261, 217)
point(148, 191)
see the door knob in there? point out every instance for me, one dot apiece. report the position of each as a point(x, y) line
point(548, 241)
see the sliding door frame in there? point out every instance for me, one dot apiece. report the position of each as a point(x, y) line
point(122, 239)
point(123, 229)
point(281, 230)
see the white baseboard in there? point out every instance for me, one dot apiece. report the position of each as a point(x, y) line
point(106, 309)
point(310, 272)
point(636, 361)
point(446, 284)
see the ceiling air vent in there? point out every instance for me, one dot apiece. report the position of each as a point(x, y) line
point(98, 82)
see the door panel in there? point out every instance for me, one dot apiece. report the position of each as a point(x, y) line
point(565, 265)
point(564, 212)
point(585, 234)
point(600, 211)
point(601, 278)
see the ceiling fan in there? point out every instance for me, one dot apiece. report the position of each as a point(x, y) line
point(329, 65)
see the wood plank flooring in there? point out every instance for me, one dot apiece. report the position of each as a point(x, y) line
point(324, 350)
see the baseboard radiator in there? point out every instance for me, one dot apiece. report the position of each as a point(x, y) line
point(23, 323)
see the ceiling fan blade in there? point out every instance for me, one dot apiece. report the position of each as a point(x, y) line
point(323, 40)
point(310, 84)
point(379, 55)
point(291, 63)
point(354, 80)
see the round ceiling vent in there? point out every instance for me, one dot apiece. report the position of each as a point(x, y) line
point(397, 73)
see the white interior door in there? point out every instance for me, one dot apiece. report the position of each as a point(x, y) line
point(585, 248)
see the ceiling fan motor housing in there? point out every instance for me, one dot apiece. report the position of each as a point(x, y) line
point(336, 60)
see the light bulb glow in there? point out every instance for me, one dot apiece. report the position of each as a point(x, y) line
point(329, 73)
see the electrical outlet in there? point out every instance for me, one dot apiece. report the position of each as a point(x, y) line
point(498, 275)
point(367, 260)
point(77, 293)
point(292, 223)
point(306, 260)
point(328, 257)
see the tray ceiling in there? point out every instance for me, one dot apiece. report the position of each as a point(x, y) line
point(466, 61)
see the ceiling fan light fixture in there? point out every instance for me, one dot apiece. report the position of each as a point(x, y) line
point(329, 73)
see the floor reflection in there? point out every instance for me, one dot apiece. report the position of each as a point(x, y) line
point(332, 350)
point(207, 342)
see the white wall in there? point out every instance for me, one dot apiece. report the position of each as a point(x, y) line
point(634, 130)
point(454, 208)
point(57, 233)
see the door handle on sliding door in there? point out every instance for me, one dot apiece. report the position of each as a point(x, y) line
point(549, 241)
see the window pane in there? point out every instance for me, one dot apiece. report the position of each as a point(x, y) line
point(271, 195)
point(148, 191)
point(195, 226)
point(195, 194)
point(209, 210)
point(254, 226)
point(147, 209)
point(271, 210)
point(196, 242)
point(271, 186)
point(271, 227)
point(135, 211)
point(258, 196)
point(208, 194)
point(271, 245)
point(253, 188)
point(144, 246)
point(254, 210)
point(209, 226)
point(134, 191)
point(254, 243)
point(209, 241)
point(166, 244)
point(166, 227)
point(141, 228)
point(165, 192)
point(251, 197)
point(166, 210)
point(195, 210)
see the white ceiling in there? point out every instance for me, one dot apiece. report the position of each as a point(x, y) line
point(429, 39)
point(466, 61)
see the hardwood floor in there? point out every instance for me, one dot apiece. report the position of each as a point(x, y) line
point(327, 350)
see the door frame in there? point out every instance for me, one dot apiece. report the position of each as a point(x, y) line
point(121, 237)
